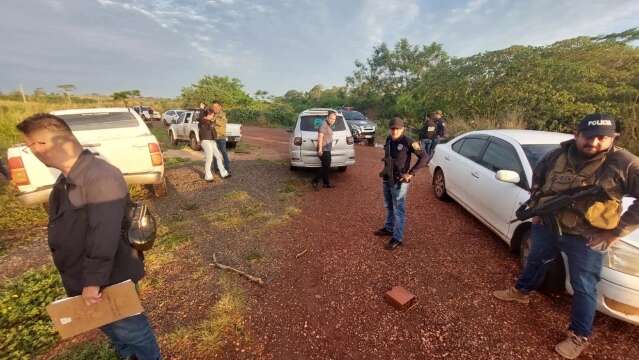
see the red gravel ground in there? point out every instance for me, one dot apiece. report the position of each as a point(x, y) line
point(328, 303)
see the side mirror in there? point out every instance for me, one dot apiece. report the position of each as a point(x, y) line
point(508, 176)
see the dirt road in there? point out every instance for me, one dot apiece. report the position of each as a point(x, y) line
point(328, 304)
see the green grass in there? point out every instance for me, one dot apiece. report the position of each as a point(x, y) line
point(25, 328)
point(17, 218)
point(176, 161)
point(89, 351)
point(244, 148)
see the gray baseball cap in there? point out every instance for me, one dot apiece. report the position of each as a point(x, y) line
point(396, 123)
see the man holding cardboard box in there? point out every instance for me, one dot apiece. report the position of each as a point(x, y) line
point(86, 212)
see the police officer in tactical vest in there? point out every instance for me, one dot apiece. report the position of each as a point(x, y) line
point(397, 175)
point(584, 230)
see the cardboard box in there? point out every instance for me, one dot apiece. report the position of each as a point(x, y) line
point(400, 298)
point(71, 316)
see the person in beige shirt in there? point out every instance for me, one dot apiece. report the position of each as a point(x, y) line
point(324, 147)
point(219, 122)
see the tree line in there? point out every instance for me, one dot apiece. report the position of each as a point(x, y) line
point(537, 87)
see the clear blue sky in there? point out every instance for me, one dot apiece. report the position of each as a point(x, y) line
point(159, 46)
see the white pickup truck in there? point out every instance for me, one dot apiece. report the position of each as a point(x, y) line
point(185, 129)
point(118, 135)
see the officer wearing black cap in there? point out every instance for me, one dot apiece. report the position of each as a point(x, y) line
point(584, 230)
point(397, 175)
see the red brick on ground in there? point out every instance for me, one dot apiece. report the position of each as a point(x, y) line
point(400, 298)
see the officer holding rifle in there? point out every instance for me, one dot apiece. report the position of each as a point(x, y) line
point(587, 177)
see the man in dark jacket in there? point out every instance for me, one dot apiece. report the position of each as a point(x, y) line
point(397, 175)
point(440, 130)
point(587, 228)
point(86, 214)
point(427, 134)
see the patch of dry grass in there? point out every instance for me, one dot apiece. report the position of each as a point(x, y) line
point(242, 209)
point(224, 321)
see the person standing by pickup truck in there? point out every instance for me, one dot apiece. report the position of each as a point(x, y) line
point(207, 134)
point(87, 208)
point(219, 122)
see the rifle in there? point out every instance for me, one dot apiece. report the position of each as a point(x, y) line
point(555, 203)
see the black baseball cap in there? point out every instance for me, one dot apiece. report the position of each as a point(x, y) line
point(396, 123)
point(597, 125)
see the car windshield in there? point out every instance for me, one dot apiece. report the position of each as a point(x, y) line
point(354, 115)
point(535, 152)
point(96, 121)
point(313, 122)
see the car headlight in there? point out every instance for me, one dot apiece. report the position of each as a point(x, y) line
point(623, 257)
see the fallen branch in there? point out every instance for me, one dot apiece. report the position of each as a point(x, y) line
point(242, 273)
point(302, 253)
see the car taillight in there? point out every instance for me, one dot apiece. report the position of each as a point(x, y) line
point(297, 141)
point(349, 140)
point(156, 154)
point(18, 172)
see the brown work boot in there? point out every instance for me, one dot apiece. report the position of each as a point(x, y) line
point(572, 346)
point(512, 294)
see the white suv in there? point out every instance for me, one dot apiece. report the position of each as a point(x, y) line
point(303, 141)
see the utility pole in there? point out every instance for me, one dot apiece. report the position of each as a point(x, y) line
point(24, 98)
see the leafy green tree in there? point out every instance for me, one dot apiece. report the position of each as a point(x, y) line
point(228, 91)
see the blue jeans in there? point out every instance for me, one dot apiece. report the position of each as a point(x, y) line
point(429, 146)
point(433, 144)
point(584, 267)
point(394, 202)
point(426, 144)
point(133, 336)
point(221, 145)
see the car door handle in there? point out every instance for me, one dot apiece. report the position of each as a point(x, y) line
point(475, 175)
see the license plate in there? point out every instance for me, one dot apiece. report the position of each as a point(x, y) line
point(369, 136)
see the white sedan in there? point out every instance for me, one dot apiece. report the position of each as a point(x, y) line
point(489, 173)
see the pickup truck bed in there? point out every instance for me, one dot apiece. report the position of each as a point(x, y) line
point(118, 135)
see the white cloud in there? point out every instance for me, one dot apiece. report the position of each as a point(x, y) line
point(471, 8)
point(383, 16)
point(186, 20)
point(56, 5)
point(220, 2)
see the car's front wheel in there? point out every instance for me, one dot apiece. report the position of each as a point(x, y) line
point(439, 186)
point(371, 142)
point(193, 143)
